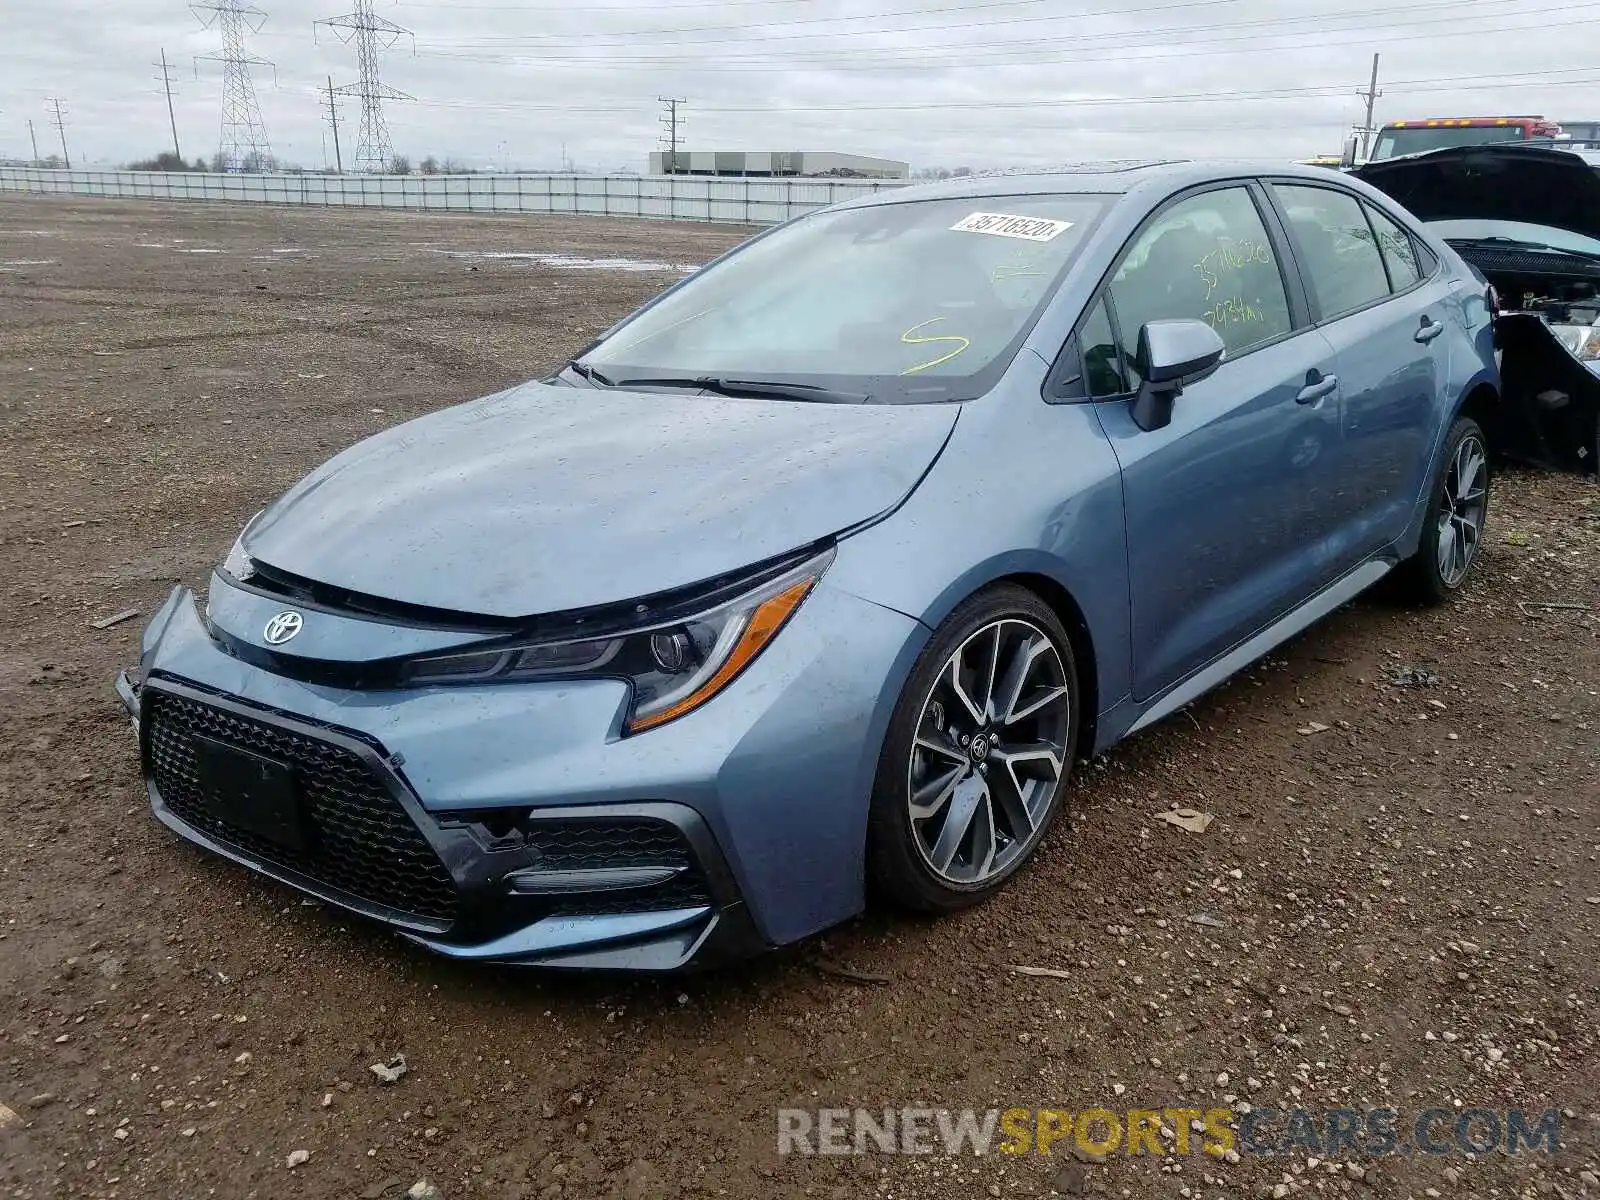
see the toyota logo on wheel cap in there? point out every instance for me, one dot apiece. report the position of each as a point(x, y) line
point(282, 627)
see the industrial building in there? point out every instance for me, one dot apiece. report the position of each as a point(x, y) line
point(776, 163)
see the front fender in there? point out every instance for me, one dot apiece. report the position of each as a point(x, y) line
point(1024, 488)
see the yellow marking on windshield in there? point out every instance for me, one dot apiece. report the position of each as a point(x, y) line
point(908, 340)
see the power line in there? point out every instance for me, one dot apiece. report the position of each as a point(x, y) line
point(923, 57)
point(654, 37)
point(616, 8)
point(632, 36)
point(243, 144)
point(61, 129)
point(370, 33)
point(669, 120)
point(1442, 83)
point(166, 82)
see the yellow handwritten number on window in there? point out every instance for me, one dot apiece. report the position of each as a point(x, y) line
point(909, 340)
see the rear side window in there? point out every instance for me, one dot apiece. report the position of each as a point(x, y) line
point(1399, 252)
point(1338, 253)
point(1207, 258)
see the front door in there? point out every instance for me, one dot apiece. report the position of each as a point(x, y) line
point(1225, 506)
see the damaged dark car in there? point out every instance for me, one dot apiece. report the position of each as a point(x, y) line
point(1528, 219)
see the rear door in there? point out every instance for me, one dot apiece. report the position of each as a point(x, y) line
point(1224, 515)
point(1385, 320)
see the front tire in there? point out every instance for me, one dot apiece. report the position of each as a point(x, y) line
point(977, 755)
point(1458, 509)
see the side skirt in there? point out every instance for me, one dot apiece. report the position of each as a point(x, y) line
point(1340, 592)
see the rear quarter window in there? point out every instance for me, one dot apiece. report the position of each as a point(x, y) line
point(1399, 251)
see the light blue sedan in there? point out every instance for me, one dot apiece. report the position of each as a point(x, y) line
point(815, 576)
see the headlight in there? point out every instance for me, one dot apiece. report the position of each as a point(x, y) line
point(1582, 340)
point(673, 667)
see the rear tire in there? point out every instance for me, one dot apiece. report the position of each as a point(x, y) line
point(977, 754)
point(1458, 511)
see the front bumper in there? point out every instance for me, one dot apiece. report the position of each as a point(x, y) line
point(698, 842)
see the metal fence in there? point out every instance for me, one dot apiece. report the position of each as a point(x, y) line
point(744, 201)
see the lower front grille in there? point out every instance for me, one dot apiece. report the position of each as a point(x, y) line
point(599, 843)
point(619, 842)
point(359, 839)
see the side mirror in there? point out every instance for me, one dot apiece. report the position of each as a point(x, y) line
point(1171, 354)
point(1347, 157)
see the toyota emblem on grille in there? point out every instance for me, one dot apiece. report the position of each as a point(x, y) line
point(282, 627)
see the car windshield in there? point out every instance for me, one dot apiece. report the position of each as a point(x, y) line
point(1395, 142)
point(1516, 231)
point(919, 301)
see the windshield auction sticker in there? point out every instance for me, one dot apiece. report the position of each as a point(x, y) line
point(1029, 229)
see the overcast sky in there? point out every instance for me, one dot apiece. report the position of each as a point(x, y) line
point(932, 82)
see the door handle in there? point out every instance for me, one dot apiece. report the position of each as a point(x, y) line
point(1430, 330)
point(1312, 392)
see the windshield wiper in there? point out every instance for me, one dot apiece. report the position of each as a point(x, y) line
point(768, 389)
point(1499, 240)
point(589, 373)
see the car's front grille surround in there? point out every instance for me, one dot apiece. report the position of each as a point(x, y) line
point(361, 840)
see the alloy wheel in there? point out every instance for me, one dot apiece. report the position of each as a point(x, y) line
point(989, 752)
point(1461, 510)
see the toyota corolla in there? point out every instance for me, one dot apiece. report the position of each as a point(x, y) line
point(815, 576)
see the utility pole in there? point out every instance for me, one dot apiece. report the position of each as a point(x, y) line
point(34, 138)
point(371, 34)
point(1372, 93)
point(333, 116)
point(670, 120)
point(166, 81)
point(61, 128)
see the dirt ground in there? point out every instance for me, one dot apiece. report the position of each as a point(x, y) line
point(1401, 909)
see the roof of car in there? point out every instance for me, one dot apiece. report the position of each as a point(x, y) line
point(1098, 178)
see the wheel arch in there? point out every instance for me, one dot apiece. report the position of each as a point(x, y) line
point(1481, 402)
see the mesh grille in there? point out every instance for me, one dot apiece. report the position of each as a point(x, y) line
point(361, 841)
point(611, 842)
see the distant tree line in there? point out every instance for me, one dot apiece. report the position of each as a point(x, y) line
point(400, 164)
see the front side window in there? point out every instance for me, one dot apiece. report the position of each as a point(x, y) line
point(1338, 253)
point(1399, 252)
point(904, 302)
point(1207, 258)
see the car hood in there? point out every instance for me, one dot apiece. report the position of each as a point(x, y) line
point(546, 499)
point(1500, 183)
